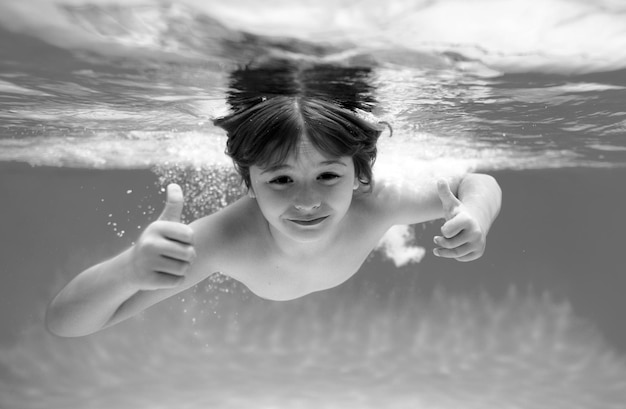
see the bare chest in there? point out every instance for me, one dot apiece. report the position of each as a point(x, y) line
point(285, 278)
point(248, 258)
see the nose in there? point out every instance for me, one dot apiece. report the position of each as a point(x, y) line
point(307, 199)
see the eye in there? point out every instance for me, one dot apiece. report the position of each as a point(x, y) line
point(281, 180)
point(328, 176)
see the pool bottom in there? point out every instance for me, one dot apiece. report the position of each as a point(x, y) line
point(219, 346)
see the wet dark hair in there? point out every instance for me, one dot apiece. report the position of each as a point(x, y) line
point(274, 107)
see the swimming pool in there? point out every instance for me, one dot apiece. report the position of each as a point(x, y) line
point(103, 104)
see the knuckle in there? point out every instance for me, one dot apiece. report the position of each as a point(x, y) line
point(188, 231)
point(156, 227)
point(150, 245)
point(192, 254)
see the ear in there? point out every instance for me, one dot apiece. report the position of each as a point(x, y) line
point(251, 193)
point(356, 183)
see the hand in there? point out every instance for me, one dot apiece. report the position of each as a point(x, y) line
point(463, 238)
point(164, 251)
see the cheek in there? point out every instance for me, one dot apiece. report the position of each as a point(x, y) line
point(343, 196)
point(271, 203)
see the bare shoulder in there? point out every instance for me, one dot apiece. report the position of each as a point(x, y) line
point(223, 239)
point(224, 225)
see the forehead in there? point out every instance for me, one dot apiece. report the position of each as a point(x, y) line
point(304, 154)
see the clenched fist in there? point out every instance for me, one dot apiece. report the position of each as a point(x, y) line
point(164, 251)
point(462, 238)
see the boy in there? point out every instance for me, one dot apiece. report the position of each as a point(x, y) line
point(312, 215)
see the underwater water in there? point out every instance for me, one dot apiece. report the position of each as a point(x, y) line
point(103, 103)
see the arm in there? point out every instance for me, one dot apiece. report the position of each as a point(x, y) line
point(469, 204)
point(153, 269)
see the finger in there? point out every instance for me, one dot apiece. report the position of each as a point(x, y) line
point(173, 209)
point(452, 227)
point(461, 251)
point(469, 257)
point(448, 200)
point(170, 266)
point(454, 242)
point(164, 280)
point(180, 252)
point(177, 232)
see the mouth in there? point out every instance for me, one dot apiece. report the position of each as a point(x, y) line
point(309, 222)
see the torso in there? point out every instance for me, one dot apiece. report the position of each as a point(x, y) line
point(247, 256)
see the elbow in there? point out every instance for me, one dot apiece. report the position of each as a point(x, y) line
point(59, 324)
point(63, 330)
point(55, 324)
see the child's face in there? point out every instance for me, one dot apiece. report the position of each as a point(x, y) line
point(308, 195)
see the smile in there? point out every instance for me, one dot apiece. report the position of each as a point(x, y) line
point(310, 222)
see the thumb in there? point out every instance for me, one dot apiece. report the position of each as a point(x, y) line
point(448, 200)
point(173, 209)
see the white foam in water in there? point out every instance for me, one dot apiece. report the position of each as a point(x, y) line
point(397, 245)
point(136, 149)
point(146, 149)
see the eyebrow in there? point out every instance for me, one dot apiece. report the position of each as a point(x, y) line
point(285, 166)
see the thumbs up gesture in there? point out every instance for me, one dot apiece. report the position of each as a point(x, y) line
point(462, 236)
point(164, 251)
